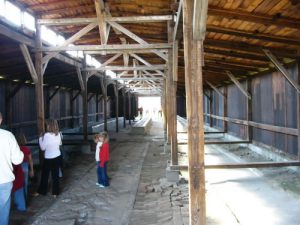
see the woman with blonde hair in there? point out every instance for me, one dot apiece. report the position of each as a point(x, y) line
point(50, 143)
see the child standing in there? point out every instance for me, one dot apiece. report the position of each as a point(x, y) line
point(104, 158)
point(97, 140)
point(27, 164)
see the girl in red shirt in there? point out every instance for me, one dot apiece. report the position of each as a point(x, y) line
point(104, 158)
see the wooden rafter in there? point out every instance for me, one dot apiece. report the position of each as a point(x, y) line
point(121, 68)
point(215, 88)
point(29, 62)
point(80, 21)
point(251, 48)
point(70, 40)
point(178, 27)
point(110, 60)
point(281, 68)
point(107, 48)
point(145, 63)
point(136, 38)
point(238, 84)
point(253, 35)
point(255, 17)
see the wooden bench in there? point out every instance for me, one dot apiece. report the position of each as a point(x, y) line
point(142, 127)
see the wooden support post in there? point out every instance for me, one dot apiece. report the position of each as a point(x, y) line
point(85, 102)
point(172, 69)
point(225, 109)
point(129, 107)
point(104, 92)
point(124, 108)
point(72, 108)
point(249, 111)
point(193, 55)
point(97, 107)
point(298, 110)
point(211, 108)
point(117, 106)
point(39, 90)
point(164, 108)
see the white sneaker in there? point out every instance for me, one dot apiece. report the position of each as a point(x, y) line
point(98, 184)
point(101, 186)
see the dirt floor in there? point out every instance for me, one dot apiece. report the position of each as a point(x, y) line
point(139, 193)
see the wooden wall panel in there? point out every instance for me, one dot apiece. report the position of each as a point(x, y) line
point(237, 103)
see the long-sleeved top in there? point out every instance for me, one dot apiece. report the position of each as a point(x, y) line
point(50, 143)
point(10, 153)
point(97, 153)
point(104, 154)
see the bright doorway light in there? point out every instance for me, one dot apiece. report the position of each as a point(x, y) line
point(150, 107)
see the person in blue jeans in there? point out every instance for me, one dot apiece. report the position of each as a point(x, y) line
point(10, 154)
point(97, 140)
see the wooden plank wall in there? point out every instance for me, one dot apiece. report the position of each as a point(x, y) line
point(218, 108)
point(24, 111)
point(274, 102)
point(237, 103)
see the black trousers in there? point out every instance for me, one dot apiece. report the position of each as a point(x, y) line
point(50, 165)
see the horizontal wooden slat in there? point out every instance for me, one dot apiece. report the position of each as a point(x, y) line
point(242, 165)
point(284, 130)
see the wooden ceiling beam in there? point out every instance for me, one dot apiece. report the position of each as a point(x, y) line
point(251, 48)
point(235, 54)
point(276, 20)
point(253, 35)
point(230, 66)
point(100, 12)
point(81, 21)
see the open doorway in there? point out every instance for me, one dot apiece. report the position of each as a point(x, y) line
point(150, 107)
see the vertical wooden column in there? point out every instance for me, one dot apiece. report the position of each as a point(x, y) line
point(193, 58)
point(39, 90)
point(172, 85)
point(298, 110)
point(72, 108)
point(117, 106)
point(129, 107)
point(249, 110)
point(225, 109)
point(105, 102)
point(85, 102)
point(124, 108)
point(164, 108)
point(211, 107)
point(97, 107)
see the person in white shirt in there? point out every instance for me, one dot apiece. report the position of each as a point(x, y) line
point(10, 153)
point(97, 140)
point(50, 143)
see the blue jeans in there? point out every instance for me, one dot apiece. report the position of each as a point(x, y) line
point(98, 173)
point(5, 194)
point(104, 177)
point(25, 168)
point(19, 199)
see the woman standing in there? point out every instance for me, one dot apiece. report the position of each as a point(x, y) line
point(49, 143)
